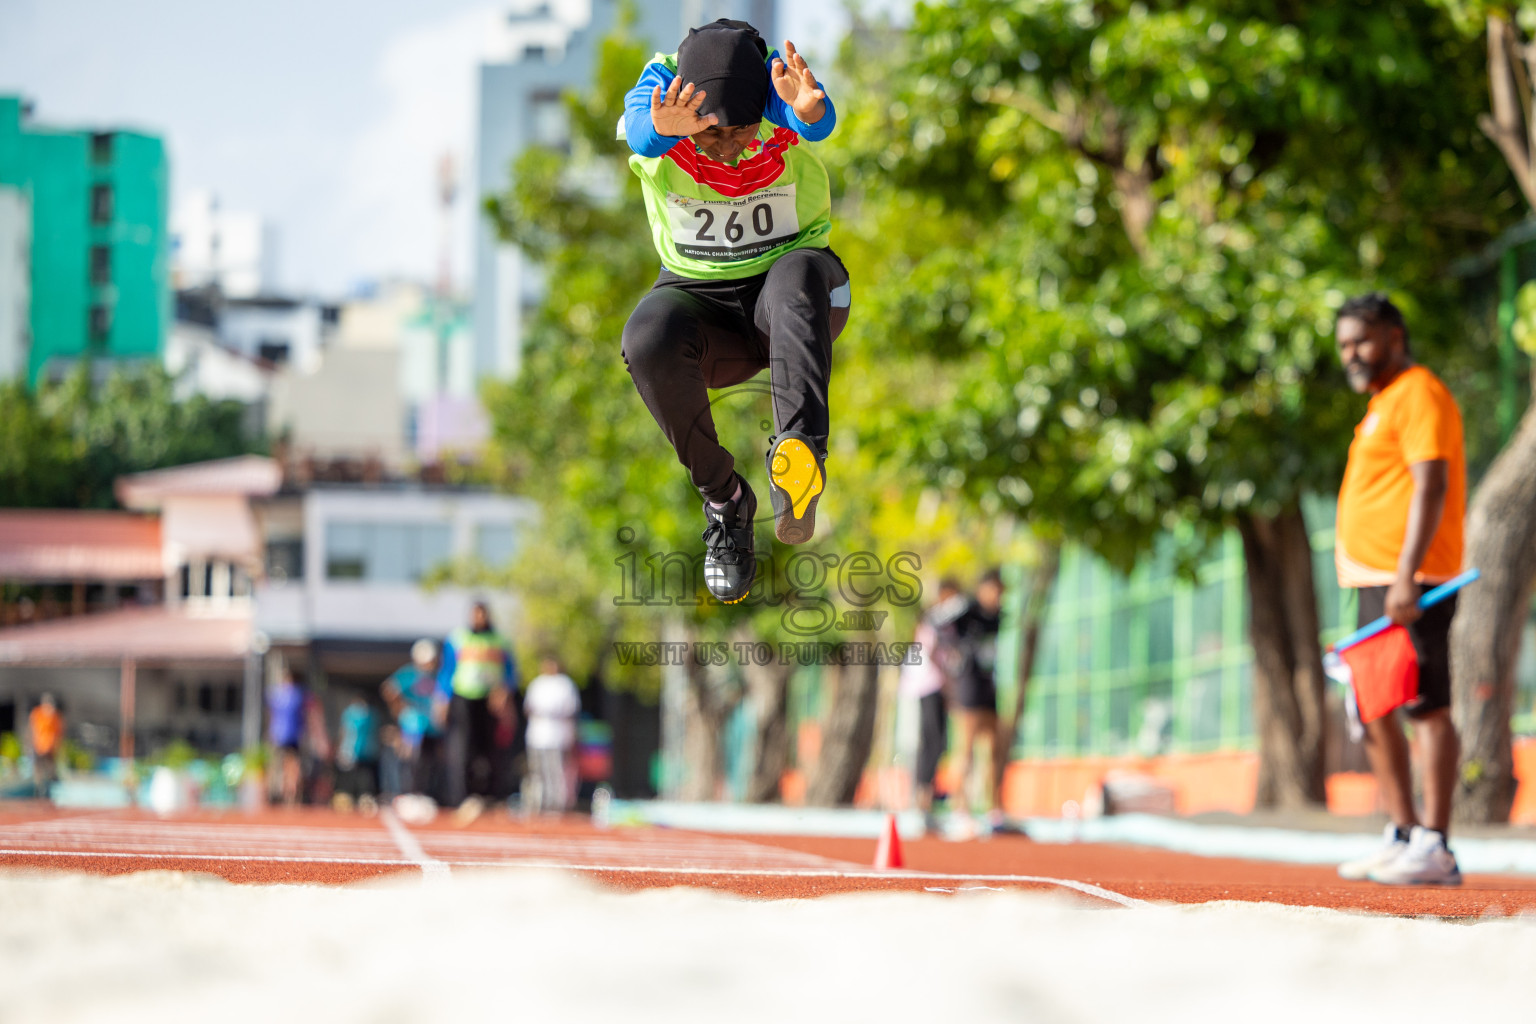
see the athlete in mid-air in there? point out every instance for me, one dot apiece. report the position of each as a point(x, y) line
point(740, 212)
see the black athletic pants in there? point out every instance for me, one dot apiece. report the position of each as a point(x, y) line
point(687, 336)
point(471, 749)
point(932, 736)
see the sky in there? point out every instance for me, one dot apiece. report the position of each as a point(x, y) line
point(328, 117)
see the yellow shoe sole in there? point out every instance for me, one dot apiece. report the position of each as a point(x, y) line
point(797, 483)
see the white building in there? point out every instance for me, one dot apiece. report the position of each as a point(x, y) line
point(203, 366)
point(15, 282)
point(342, 594)
point(284, 331)
point(233, 251)
point(542, 50)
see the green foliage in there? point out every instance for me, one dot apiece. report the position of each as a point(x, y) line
point(178, 754)
point(1138, 219)
point(75, 757)
point(65, 445)
point(1524, 329)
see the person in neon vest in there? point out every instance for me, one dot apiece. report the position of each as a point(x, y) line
point(740, 212)
point(475, 688)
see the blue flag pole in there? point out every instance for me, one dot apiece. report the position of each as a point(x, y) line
point(1430, 598)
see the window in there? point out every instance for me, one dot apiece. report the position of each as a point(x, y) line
point(101, 148)
point(548, 120)
point(101, 265)
point(205, 697)
point(285, 559)
point(400, 552)
point(495, 543)
point(533, 52)
point(101, 204)
point(232, 699)
point(273, 351)
point(101, 322)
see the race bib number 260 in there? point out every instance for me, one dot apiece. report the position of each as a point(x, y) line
point(729, 230)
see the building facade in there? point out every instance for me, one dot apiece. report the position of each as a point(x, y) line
point(233, 251)
point(99, 241)
point(15, 281)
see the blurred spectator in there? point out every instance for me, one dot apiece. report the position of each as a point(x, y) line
point(409, 692)
point(47, 734)
point(319, 779)
point(972, 667)
point(285, 729)
point(476, 686)
point(357, 755)
point(552, 704)
point(926, 682)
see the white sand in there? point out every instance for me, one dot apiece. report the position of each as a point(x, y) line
point(523, 946)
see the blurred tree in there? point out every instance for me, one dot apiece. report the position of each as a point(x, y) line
point(1501, 521)
point(65, 445)
point(1139, 218)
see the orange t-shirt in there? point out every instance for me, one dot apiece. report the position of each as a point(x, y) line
point(1413, 419)
point(47, 725)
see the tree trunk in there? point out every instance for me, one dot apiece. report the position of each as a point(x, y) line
point(848, 738)
point(1287, 660)
point(1485, 635)
point(768, 697)
point(706, 707)
point(1036, 603)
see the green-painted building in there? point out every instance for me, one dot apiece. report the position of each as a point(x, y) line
point(100, 255)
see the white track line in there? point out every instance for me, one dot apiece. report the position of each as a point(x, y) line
point(432, 869)
point(1085, 888)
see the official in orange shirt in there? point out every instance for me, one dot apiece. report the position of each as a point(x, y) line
point(47, 729)
point(1400, 521)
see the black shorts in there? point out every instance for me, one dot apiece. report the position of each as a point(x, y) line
point(1431, 637)
point(976, 692)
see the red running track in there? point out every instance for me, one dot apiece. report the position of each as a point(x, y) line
point(321, 847)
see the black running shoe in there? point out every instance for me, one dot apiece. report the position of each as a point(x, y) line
point(729, 563)
point(796, 478)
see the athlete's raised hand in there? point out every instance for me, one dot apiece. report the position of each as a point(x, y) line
point(676, 113)
point(796, 86)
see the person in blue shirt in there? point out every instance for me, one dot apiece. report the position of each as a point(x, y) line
point(357, 753)
point(410, 692)
point(285, 730)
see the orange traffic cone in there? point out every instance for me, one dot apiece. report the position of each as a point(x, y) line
point(888, 853)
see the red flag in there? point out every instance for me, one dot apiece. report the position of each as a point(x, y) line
point(1385, 670)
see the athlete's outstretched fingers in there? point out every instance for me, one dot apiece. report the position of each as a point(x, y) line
point(656, 97)
point(677, 83)
point(686, 95)
point(698, 100)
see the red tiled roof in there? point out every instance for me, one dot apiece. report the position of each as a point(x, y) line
point(66, 544)
point(144, 634)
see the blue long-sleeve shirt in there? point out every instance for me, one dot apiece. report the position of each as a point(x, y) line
point(645, 140)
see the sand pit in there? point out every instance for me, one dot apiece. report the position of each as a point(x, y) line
point(535, 946)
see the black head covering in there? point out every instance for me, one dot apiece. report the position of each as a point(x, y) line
point(727, 60)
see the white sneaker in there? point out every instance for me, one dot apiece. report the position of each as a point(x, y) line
point(1391, 848)
point(1426, 861)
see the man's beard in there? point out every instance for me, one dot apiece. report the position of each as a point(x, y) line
point(1360, 375)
